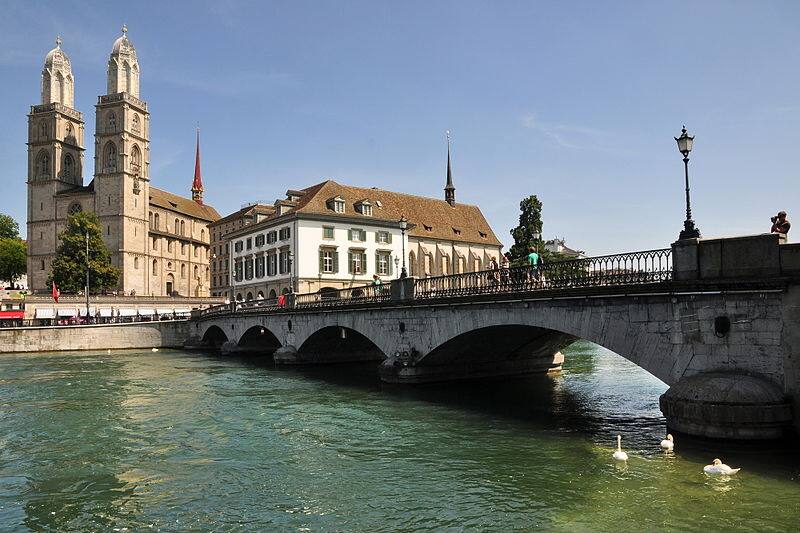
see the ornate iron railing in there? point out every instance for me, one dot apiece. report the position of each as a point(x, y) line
point(342, 297)
point(634, 268)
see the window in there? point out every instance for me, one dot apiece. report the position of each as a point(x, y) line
point(457, 231)
point(136, 160)
point(136, 263)
point(183, 270)
point(328, 261)
point(260, 240)
point(338, 206)
point(111, 122)
point(248, 269)
point(183, 248)
point(357, 261)
point(427, 228)
point(427, 264)
point(365, 208)
point(155, 243)
point(202, 235)
point(75, 208)
point(272, 264)
point(483, 234)
point(69, 166)
point(194, 272)
point(249, 243)
point(150, 217)
point(169, 245)
point(238, 246)
point(383, 264)
point(285, 233)
point(183, 227)
point(157, 221)
point(357, 235)
point(272, 237)
point(412, 264)
point(445, 265)
point(155, 267)
point(197, 251)
point(43, 129)
point(110, 157)
point(260, 266)
point(177, 226)
point(169, 265)
point(327, 232)
point(41, 265)
point(135, 126)
point(43, 165)
point(383, 237)
point(284, 262)
point(108, 230)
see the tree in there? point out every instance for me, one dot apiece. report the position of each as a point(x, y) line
point(69, 265)
point(530, 224)
point(9, 229)
point(13, 259)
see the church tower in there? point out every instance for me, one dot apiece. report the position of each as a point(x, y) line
point(121, 166)
point(55, 160)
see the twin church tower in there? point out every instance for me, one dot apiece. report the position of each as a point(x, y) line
point(159, 240)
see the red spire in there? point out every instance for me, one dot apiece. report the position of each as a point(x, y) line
point(197, 184)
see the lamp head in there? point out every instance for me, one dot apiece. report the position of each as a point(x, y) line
point(685, 142)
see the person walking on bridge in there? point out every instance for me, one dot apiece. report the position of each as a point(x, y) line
point(533, 264)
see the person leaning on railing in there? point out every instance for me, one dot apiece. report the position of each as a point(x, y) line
point(533, 264)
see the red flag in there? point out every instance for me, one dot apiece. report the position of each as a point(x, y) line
point(56, 294)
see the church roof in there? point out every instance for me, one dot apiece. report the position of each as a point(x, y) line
point(56, 57)
point(427, 217)
point(179, 204)
point(248, 210)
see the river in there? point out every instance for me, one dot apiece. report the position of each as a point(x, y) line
point(182, 441)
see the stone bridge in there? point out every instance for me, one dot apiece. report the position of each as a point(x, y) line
point(716, 320)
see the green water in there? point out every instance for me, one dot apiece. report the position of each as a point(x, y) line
point(179, 441)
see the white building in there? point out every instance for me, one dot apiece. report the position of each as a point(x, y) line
point(333, 236)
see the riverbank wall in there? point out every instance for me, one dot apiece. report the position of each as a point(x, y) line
point(167, 334)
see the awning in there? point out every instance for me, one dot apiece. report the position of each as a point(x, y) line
point(44, 312)
point(106, 312)
point(164, 311)
point(144, 311)
point(11, 314)
point(183, 311)
point(82, 311)
point(68, 312)
point(125, 311)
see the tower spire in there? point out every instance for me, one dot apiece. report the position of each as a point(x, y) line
point(197, 184)
point(449, 189)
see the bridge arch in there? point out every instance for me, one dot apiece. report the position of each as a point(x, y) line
point(259, 339)
point(337, 343)
point(214, 337)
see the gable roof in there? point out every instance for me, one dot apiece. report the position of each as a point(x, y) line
point(421, 212)
point(179, 204)
point(253, 209)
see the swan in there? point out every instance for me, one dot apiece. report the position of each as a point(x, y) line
point(619, 455)
point(668, 443)
point(718, 467)
point(154, 349)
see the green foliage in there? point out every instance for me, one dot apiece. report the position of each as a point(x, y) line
point(530, 223)
point(9, 229)
point(69, 266)
point(13, 259)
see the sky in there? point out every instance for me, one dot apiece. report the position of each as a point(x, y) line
point(576, 102)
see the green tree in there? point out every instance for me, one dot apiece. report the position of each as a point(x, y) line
point(69, 266)
point(9, 229)
point(529, 231)
point(13, 259)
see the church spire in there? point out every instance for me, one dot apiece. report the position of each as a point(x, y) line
point(197, 184)
point(449, 189)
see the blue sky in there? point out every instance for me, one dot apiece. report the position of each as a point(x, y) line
point(577, 102)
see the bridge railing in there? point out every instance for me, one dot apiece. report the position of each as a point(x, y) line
point(633, 268)
point(348, 296)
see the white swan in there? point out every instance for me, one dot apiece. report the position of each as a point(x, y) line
point(718, 467)
point(619, 455)
point(668, 443)
point(154, 349)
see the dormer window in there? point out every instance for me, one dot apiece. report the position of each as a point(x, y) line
point(482, 234)
point(427, 228)
point(336, 204)
point(364, 207)
point(457, 231)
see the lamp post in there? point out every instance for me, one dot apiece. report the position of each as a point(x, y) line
point(87, 277)
point(291, 271)
point(403, 228)
point(397, 265)
point(685, 142)
point(537, 236)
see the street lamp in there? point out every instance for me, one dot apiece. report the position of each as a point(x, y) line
point(291, 273)
point(403, 228)
point(397, 265)
point(685, 142)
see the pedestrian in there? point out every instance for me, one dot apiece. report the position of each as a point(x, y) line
point(494, 275)
point(533, 264)
point(376, 280)
point(505, 264)
point(780, 224)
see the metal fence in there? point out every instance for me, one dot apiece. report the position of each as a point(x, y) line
point(7, 323)
point(342, 297)
point(633, 268)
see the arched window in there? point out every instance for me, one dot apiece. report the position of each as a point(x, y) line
point(176, 227)
point(169, 245)
point(183, 270)
point(157, 221)
point(43, 130)
point(43, 165)
point(272, 294)
point(135, 126)
point(111, 122)
point(69, 166)
point(61, 91)
point(155, 267)
point(128, 87)
point(136, 263)
point(194, 272)
point(70, 134)
point(238, 294)
point(136, 160)
point(169, 265)
point(207, 276)
point(110, 157)
point(183, 227)
point(196, 251)
point(202, 235)
point(150, 216)
point(249, 296)
point(260, 295)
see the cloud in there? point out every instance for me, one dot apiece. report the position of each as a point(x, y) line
point(569, 136)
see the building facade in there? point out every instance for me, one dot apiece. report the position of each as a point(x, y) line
point(333, 236)
point(158, 240)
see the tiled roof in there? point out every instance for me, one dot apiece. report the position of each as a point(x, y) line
point(255, 209)
point(459, 223)
point(179, 204)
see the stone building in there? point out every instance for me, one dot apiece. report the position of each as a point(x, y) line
point(159, 241)
point(334, 236)
point(220, 251)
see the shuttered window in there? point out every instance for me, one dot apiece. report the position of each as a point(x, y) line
point(328, 261)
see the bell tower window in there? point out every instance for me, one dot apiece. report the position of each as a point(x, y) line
point(43, 165)
point(69, 166)
point(75, 208)
point(110, 158)
point(111, 122)
point(135, 126)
